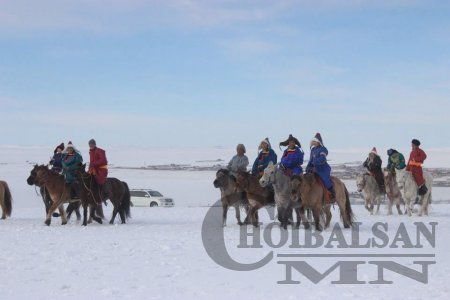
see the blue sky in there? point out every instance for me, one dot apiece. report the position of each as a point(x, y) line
point(218, 73)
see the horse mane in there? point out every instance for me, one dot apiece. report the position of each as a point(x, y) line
point(296, 177)
point(309, 178)
point(224, 171)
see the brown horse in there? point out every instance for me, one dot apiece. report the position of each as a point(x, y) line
point(58, 189)
point(229, 197)
point(392, 191)
point(312, 194)
point(92, 194)
point(257, 196)
point(5, 200)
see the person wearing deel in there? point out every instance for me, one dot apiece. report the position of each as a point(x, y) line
point(98, 167)
point(416, 159)
point(292, 159)
point(265, 156)
point(71, 159)
point(318, 164)
point(396, 161)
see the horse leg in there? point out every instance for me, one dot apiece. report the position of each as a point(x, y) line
point(52, 208)
point(224, 213)
point(316, 214)
point(93, 216)
point(408, 207)
point(238, 213)
point(62, 214)
point(3, 211)
point(77, 212)
point(371, 206)
point(247, 218)
point(114, 214)
point(399, 211)
point(299, 217)
point(390, 204)
point(378, 198)
point(304, 217)
point(85, 214)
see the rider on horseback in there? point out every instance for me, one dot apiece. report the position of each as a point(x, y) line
point(265, 156)
point(318, 164)
point(396, 161)
point(239, 162)
point(292, 160)
point(373, 164)
point(70, 161)
point(98, 167)
point(416, 159)
point(56, 161)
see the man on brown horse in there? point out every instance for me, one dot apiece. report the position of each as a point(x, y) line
point(98, 167)
point(373, 164)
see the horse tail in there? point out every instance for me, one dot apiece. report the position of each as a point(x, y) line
point(348, 208)
point(7, 200)
point(125, 204)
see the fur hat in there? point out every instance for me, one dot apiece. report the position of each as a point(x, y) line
point(92, 142)
point(60, 146)
point(70, 145)
point(290, 138)
point(317, 138)
point(374, 151)
point(391, 152)
point(415, 142)
point(265, 141)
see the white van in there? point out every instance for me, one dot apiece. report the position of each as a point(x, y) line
point(150, 198)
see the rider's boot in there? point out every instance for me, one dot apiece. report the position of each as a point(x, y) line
point(333, 194)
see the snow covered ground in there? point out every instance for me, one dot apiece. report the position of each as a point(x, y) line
point(159, 254)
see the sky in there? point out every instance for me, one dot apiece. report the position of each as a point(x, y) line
point(190, 73)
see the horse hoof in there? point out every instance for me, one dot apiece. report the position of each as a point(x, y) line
point(64, 223)
point(47, 222)
point(111, 223)
point(307, 226)
point(240, 223)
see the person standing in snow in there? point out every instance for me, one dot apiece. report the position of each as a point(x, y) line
point(292, 159)
point(239, 162)
point(318, 164)
point(265, 156)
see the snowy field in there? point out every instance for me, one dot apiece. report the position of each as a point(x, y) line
point(159, 254)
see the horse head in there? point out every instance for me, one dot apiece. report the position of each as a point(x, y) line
point(31, 180)
point(296, 183)
point(221, 180)
point(361, 182)
point(268, 175)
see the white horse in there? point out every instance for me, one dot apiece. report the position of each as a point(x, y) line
point(369, 187)
point(283, 194)
point(409, 190)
